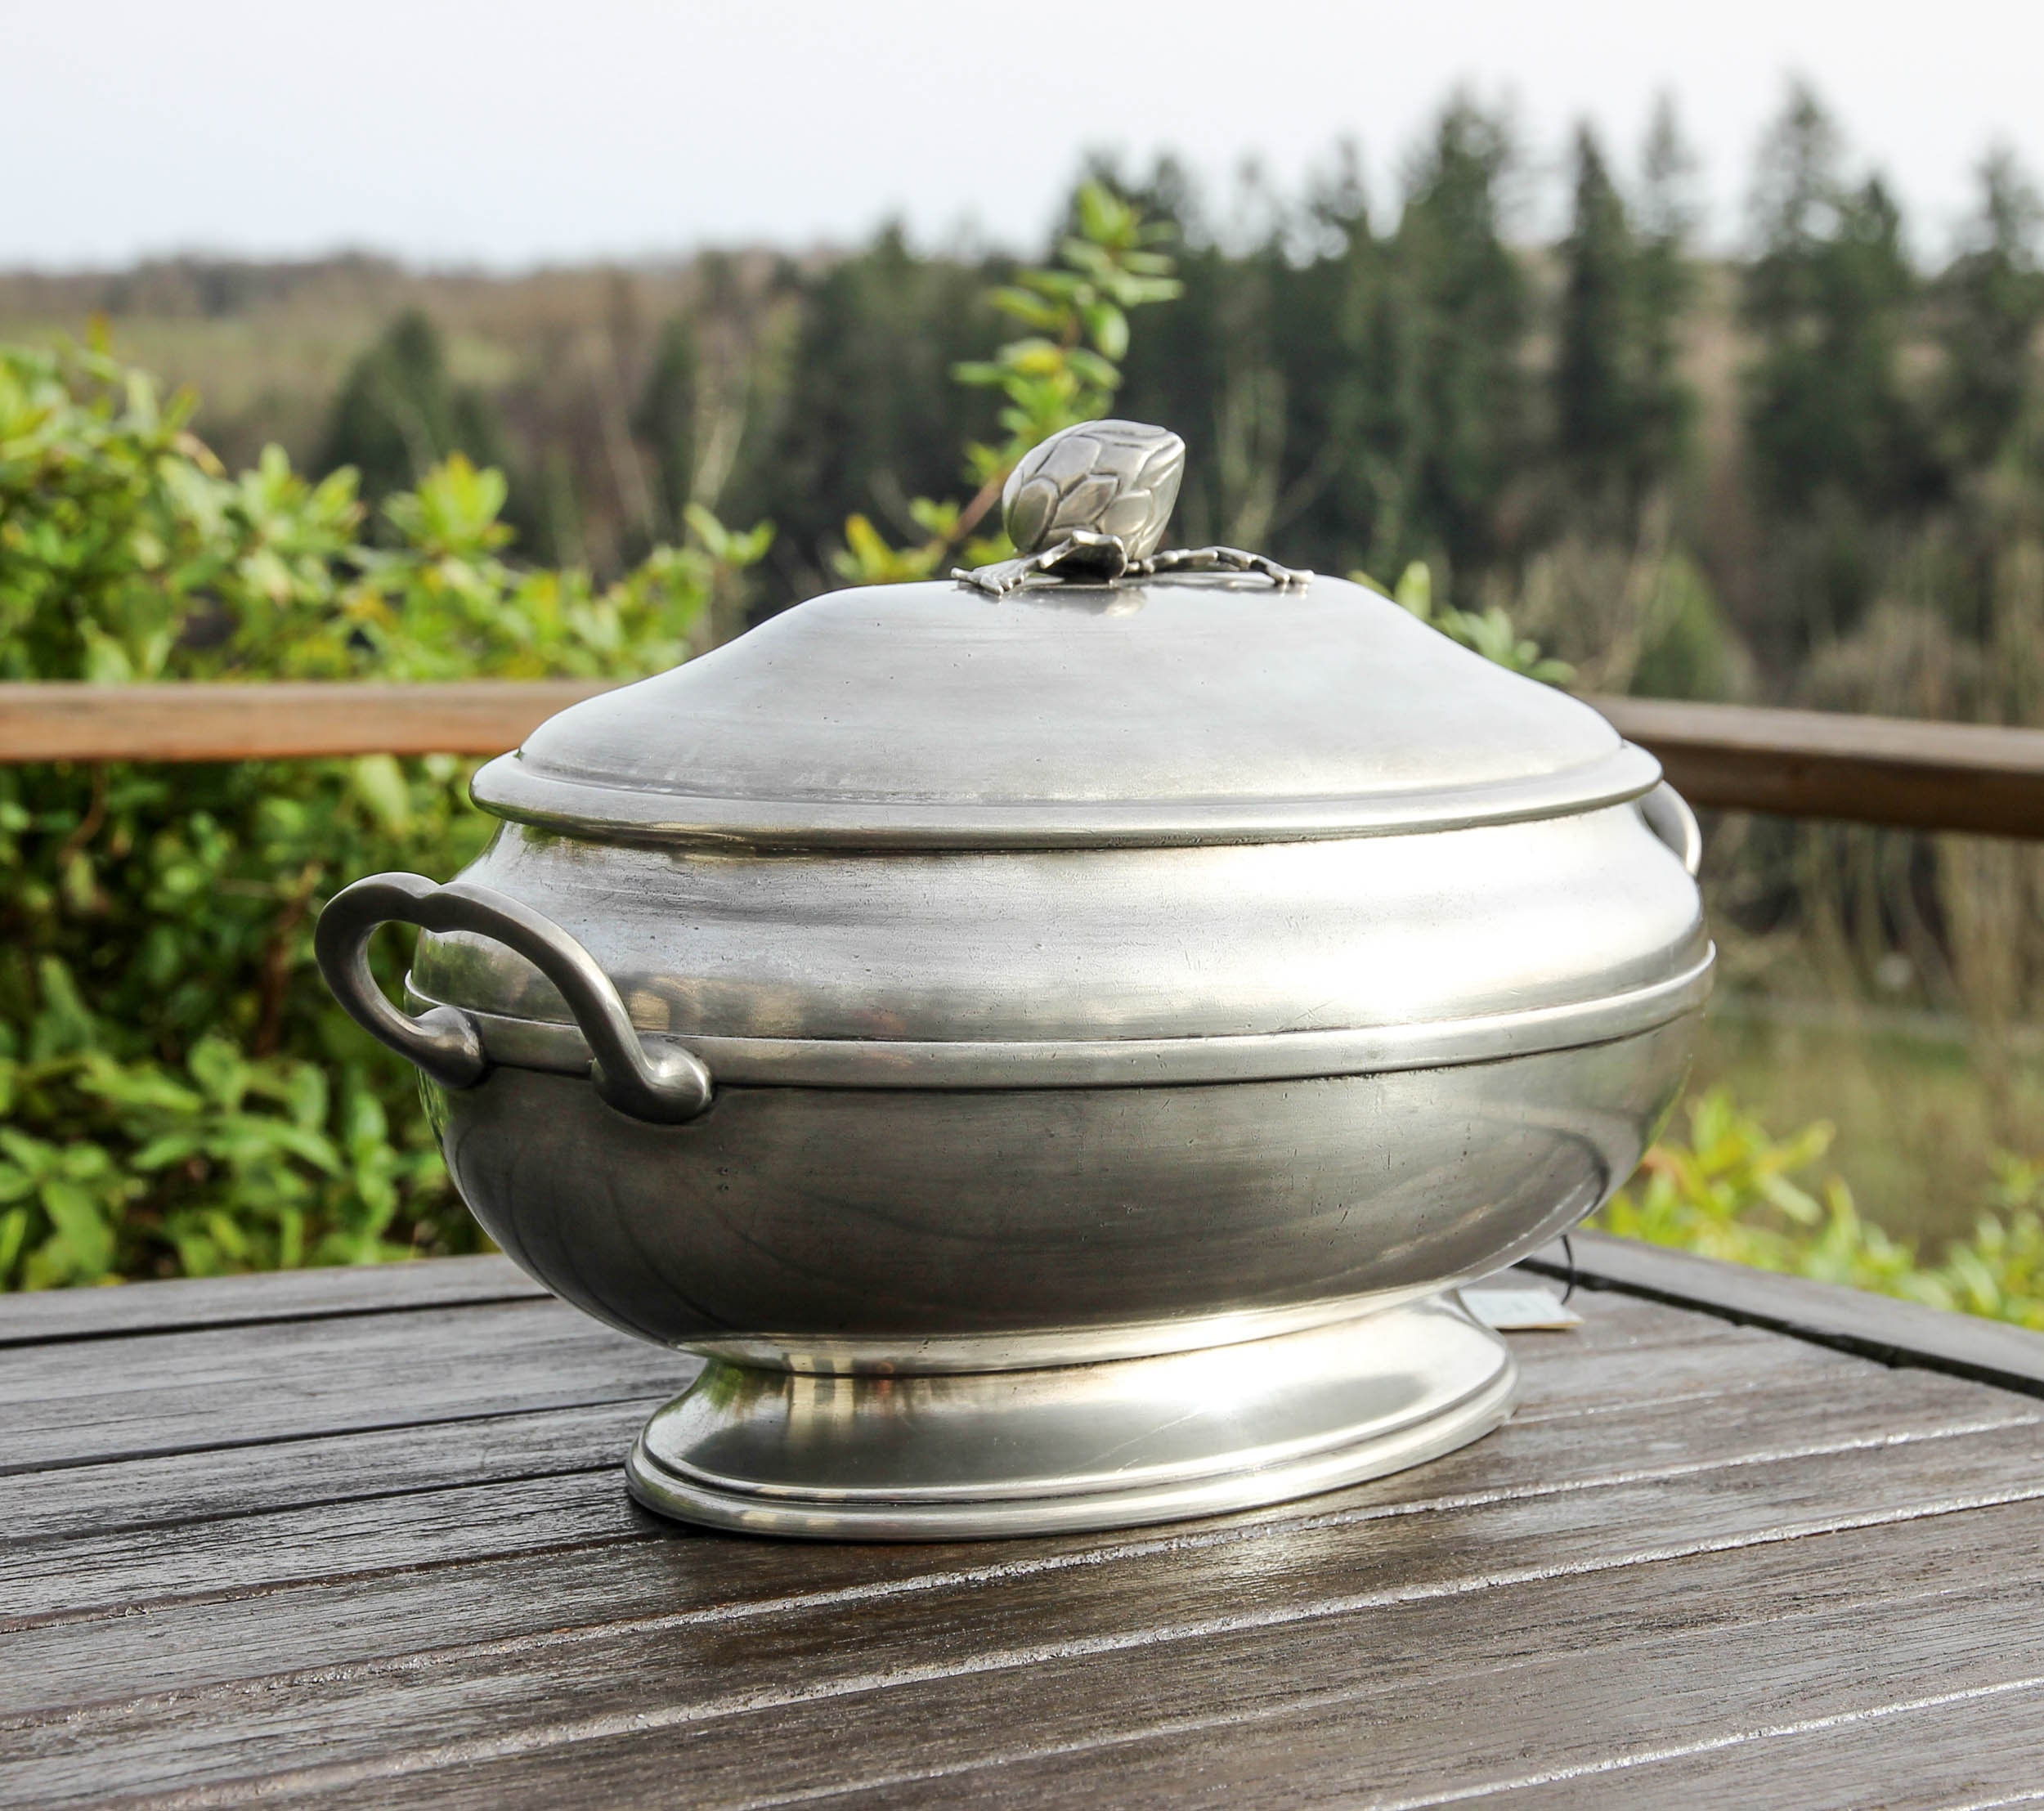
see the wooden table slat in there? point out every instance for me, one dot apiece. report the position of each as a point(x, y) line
point(294, 1380)
point(344, 1542)
point(118, 1497)
point(1505, 1723)
point(1691, 1358)
point(1958, 1747)
point(197, 720)
point(1909, 773)
point(578, 1502)
point(50, 1315)
point(166, 1686)
point(1875, 1326)
point(791, 1690)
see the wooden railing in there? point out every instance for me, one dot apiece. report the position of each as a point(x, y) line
point(278, 722)
point(1815, 764)
point(1804, 763)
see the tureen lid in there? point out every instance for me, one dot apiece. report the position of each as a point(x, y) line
point(1093, 692)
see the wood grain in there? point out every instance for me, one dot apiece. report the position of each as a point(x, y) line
point(571, 1494)
point(1691, 1359)
point(229, 1387)
point(1505, 1719)
point(1874, 1326)
point(1974, 1750)
point(237, 1386)
point(362, 1552)
point(1902, 772)
point(1013, 1660)
point(114, 1498)
point(48, 1315)
point(283, 721)
point(590, 1623)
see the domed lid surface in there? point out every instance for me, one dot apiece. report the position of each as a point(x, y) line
point(1170, 710)
point(1093, 690)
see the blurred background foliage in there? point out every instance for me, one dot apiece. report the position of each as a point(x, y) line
point(177, 1094)
point(1811, 474)
point(1732, 1190)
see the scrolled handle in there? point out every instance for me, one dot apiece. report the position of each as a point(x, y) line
point(444, 1041)
point(1668, 817)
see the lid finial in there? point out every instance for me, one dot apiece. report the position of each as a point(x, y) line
point(1090, 505)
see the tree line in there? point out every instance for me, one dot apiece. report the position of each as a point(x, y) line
point(1692, 474)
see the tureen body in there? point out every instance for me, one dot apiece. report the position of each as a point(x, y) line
point(1051, 1047)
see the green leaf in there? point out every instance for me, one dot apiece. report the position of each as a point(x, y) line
point(159, 1153)
point(13, 1232)
point(1109, 327)
point(1102, 217)
point(378, 781)
point(140, 1086)
point(76, 1215)
point(1415, 589)
point(1031, 310)
point(220, 1070)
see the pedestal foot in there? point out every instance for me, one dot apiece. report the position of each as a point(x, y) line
point(872, 1457)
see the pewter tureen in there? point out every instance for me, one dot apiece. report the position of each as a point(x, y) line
point(1052, 1041)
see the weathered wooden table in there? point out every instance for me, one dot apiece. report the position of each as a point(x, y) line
point(361, 1539)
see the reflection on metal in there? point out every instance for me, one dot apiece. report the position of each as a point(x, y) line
point(1034, 1452)
point(1090, 505)
point(1671, 819)
point(879, 1230)
point(1106, 1062)
point(665, 1086)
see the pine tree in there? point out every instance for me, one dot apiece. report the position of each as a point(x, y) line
point(1840, 454)
point(1352, 355)
point(867, 414)
point(1992, 305)
point(1622, 412)
point(398, 413)
point(1665, 287)
point(1176, 370)
point(1465, 299)
point(1825, 296)
point(665, 420)
point(1597, 408)
point(1294, 337)
point(1346, 485)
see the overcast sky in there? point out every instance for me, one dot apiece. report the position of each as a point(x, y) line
point(523, 131)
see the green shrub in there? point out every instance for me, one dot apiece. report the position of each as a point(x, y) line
point(1490, 633)
point(177, 1093)
point(1734, 1192)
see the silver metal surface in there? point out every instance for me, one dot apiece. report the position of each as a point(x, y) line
point(1105, 1062)
point(1091, 503)
point(910, 1229)
point(1193, 710)
point(667, 1086)
point(1668, 815)
point(1117, 479)
point(868, 1457)
point(1553, 927)
point(1089, 977)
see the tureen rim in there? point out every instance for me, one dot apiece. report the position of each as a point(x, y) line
point(560, 1047)
point(592, 811)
